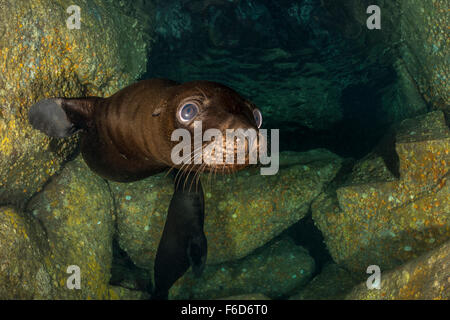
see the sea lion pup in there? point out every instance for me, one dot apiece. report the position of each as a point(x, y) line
point(128, 137)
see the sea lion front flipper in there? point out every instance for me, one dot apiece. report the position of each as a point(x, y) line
point(183, 242)
point(60, 117)
point(197, 249)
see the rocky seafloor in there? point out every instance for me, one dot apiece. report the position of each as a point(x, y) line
point(364, 166)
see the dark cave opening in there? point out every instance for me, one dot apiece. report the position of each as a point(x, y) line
point(304, 33)
point(306, 234)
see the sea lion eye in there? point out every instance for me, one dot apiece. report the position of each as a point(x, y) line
point(258, 117)
point(188, 111)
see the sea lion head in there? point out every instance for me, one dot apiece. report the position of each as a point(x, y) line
point(218, 109)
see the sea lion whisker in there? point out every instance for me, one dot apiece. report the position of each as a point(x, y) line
point(182, 173)
point(222, 173)
point(192, 181)
point(187, 172)
point(196, 156)
point(209, 179)
point(185, 164)
point(215, 173)
point(198, 174)
point(182, 161)
point(203, 171)
point(178, 176)
point(181, 170)
point(195, 177)
point(171, 168)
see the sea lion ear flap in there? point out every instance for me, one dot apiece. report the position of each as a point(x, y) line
point(157, 112)
point(60, 117)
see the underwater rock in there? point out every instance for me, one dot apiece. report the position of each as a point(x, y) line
point(414, 34)
point(243, 211)
point(255, 296)
point(424, 47)
point(402, 99)
point(333, 283)
point(23, 273)
point(274, 270)
point(120, 293)
point(301, 99)
point(76, 211)
point(40, 57)
point(369, 221)
point(426, 278)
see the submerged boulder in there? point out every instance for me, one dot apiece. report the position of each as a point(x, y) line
point(41, 57)
point(333, 283)
point(426, 277)
point(23, 273)
point(69, 223)
point(424, 47)
point(120, 293)
point(256, 296)
point(274, 271)
point(76, 211)
point(243, 211)
point(369, 221)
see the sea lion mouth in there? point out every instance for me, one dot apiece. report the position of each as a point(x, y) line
point(230, 156)
point(222, 156)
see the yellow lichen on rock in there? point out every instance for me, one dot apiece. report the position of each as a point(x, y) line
point(23, 274)
point(426, 277)
point(391, 222)
point(76, 210)
point(40, 58)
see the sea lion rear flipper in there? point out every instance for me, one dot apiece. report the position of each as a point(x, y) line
point(60, 117)
point(183, 242)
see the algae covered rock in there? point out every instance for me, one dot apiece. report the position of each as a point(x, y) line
point(76, 211)
point(255, 296)
point(414, 35)
point(120, 293)
point(23, 273)
point(424, 47)
point(388, 223)
point(69, 223)
point(274, 270)
point(243, 211)
point(427, 277)
point(41, 57)
point(333, 283)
